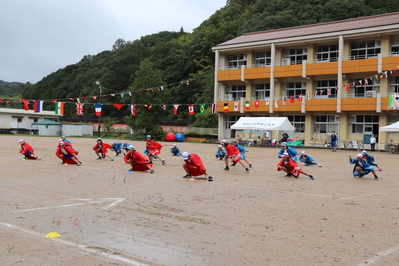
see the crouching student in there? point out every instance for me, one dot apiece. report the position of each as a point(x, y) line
point(362, 167)
point(66, 153)
point(307, 160)
point(27, 151)
point(193, 166)
point(220, 153)
point(175, 151)
point(137, 161)
point(290, 167)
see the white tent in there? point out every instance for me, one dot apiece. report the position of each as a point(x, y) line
point(393, 127)
point(264, 123)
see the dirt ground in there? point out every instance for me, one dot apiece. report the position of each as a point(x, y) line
point(106, 216)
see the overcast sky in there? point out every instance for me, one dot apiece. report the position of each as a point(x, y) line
point(38, 37)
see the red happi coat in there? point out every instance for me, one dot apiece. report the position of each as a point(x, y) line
point(68, 149)
point(153, 147)
point(138, 161)
point(25, 147)
point(103, 150)
point(293, 168)
point(195, 161)
point(234, 152)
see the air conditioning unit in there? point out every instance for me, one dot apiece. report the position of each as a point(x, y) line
point(370, 94)
point(286, 61)
point(228, 97)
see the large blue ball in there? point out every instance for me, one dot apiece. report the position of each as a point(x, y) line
point(179, 137)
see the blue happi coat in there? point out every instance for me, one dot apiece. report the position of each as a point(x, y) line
point(307, 160)
point(366, 167)
point(291, 152)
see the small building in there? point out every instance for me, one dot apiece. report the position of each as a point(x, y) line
point(48, 127)
point(77, 130)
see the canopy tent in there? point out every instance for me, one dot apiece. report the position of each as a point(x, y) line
point(264, 123)
point(45, 122)
point(393, 127)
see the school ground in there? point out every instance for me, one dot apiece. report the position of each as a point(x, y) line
point(106, 216)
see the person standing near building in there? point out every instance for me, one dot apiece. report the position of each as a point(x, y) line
point(333, 142)
point(373, 141)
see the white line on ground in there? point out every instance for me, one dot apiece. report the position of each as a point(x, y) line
point(72, 244)
point(380, 255)
point(360, 196)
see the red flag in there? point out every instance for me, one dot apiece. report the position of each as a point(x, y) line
point(284, 101)
point(133, 109)
point(79, 108)
point(118, 106)
point(85, 98)
point(175, 109)
point(191, 109)
point(25, 104)
point(54, 101)
point(292, 99)
point(328, 91)
point(1, 99)
point(94, 97)
point(348, 87)
point(257, 104)
point(300, 98)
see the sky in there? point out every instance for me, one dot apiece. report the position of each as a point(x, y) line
point(38, 37)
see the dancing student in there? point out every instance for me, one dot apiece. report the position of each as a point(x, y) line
point(64, 139)
point(102, 148)
point(116, 147)
point(290, 151)
point(125, 147)
point(27, 150)
point(362, 167)
point(242, 152)
point(290, 167)
point(307, 160)
point(232, 153)
point(175, 151)
point(220, 153)
point(137, 161)
point(66, 152)
point(193, 166)
point(154, 149)
point(370, 159)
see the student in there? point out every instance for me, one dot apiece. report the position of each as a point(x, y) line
point(307, 160)
point(27, 151)
point(370, 159)
point(116, 147)
point(362, 167)
point(154, 149)
point(102, 148)
point(66, 153)
point(125, 147)
point(64, 139)
point(290, 167)
point(242, 152)
point(333, 142)
point(232, 153)
point(137, 161)
point(193, 166)
point(373, 141)
point(220, 153)
point(175, 151)
point(290, 151)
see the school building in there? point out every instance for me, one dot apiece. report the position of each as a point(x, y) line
point(334, 76)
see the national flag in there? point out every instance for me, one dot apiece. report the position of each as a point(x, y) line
point(130, 93)
point(360, 83)
point(79, 108)
point(54, 101)
point(247, 106)
point(122, 95)
point(94, 97)
point(59, 108)
point(225, 107)
point(1, 99)
point(328, 91)
point(214, 108)
point(267, 101)
point(118, 106)
point(133, 109)
point(393, 102)
point(315, 94)
point(321, 92)
point(202, 108)
point(235, 106)
point(148, 106)
point(366, 81)
point(300, 97)
point(292, 99)
point(257, 104)
point(85, 98)
point(175, 109)
point(190, 109)
point(78, 100)
point(163, 108)
point(276, 104)
point(308, 96)
point(284, 101)
point(98, 107)
point(25, 104)
point(37, 106)
point(72, 99)
point(348, 87)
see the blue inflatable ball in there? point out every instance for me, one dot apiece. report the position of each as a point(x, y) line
point(179, 137)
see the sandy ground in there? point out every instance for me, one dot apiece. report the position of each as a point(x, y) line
point(106, 216)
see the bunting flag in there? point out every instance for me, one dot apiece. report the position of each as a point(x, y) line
point(235, 106)
point(276, 104)
point(308, 96)
point(300, 98)
point(78, 100)
point(190, 109)
point(321, 92)
point(1, 99)
point(122, 95)
point(148, 106)
point(315, 94)
point(247, 106)
point(130, 93)
point(85, 98)
point(175, 109)
point(267, 101)
point(292, 99)
point(25, 104)
point(37, 106)
point(257, 104)
point(393, 102)
point(163, 108)
point(214, 108)
point(284, 101)
point(366, 81)
point(54, 101)
point(347, 87)
point(59, 108)
point(98, 107)
point(225, 107)
point(79, 108)
point(328, 91)
point(202, 108)
point(118, 106)
point(94, 97)
point(133, 109)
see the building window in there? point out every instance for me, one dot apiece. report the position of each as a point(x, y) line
point(363, 124)
point(263, 59)
point(326, 123)
point(326, 87)
point(327, 53)
point(298, 121)
point(395, 46)
point(231, 120)
point(262, 91)
point(295, 56)
point(365, 49)
point(394, 84)
point(365, 88)
point(237, 60)
point(295, 89)
point(235, 92)
point(19, 119)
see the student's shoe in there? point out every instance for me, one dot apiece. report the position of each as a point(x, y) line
point(187, 176)
point(163, 162)
point(227, 168)
point(250, 165)
point(247, 169)
point(379, 169)
point(99, 158)
point(361, 175)
point(152, 171)
point(376, 177)
point(233, 164)
point(78, 164)
point(111, 159)
point(294, 176)
point(210, 178)
point(288, 175)
point(37, 158)
point(311, 177)
point(319, 165)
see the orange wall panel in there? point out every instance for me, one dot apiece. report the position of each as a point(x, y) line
point(257, 73)
point(231, 74)
point(288, 71)
point(321, 105)
point(358, 104)
point(326, 68)
point(390, 62)
point(359, 66)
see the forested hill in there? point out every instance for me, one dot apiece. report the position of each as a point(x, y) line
point(171, 57)
point(11, 89)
